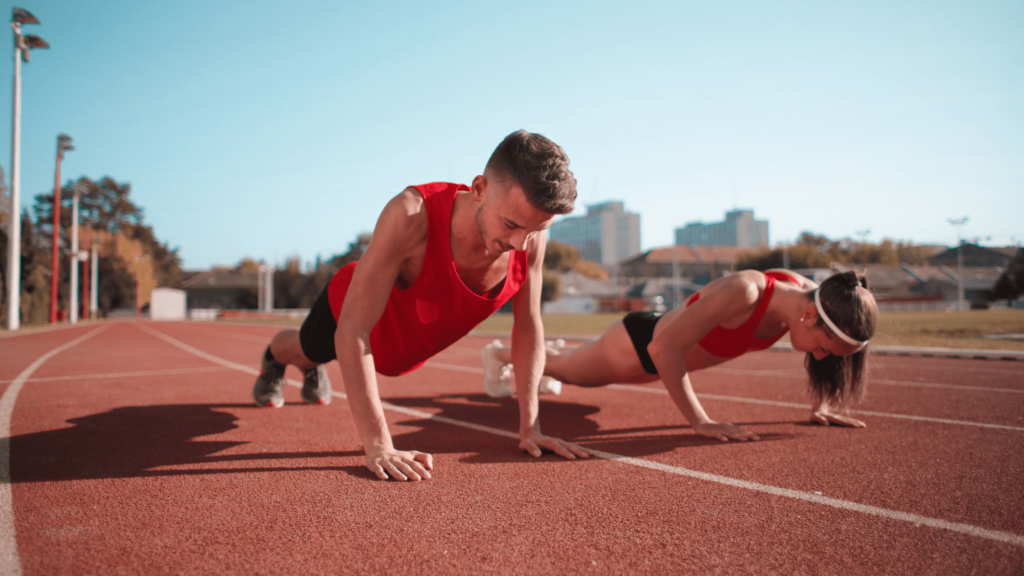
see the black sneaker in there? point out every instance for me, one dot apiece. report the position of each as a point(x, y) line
point(267, 390)
point(316, 387)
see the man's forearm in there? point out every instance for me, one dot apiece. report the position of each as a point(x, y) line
point(528, 362)
point(357, 371)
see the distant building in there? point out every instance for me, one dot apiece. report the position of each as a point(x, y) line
point(974, 255)
point(220, 289)
point(739, 229)
point(606, 235)
point(685, 261)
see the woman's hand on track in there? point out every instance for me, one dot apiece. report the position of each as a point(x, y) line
point(534, 442)
point(724, 431)
point(826, 418)
point(401, 465)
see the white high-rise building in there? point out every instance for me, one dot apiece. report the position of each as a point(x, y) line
point(607, 235)
point(739, 229)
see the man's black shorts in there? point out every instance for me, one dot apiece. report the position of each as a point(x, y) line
point(317, 333)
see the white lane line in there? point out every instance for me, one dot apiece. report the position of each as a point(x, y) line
point(806, 407)
point(457, 368)
point(776, 491)
point(824, 500)
point(10, 563)
point(127, 374)
point(801, 373)
point(235, 335)
point(198, 352)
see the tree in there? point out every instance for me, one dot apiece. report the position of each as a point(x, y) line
point(105, 206)
point(551, 286)
point(815, 251)
point(1011, 282)
point(590, 270)
point(560, 257)
point(356, 249)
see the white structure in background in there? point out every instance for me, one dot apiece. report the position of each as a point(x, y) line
point(606, 235)
point(739, 229)
point(167, 304)
point(265, 288)
point(76, 256)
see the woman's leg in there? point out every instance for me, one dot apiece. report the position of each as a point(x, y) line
point(609, 359)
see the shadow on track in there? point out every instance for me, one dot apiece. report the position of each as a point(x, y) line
point(567, 420)
point(131, 442)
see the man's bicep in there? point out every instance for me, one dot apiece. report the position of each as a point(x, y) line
point(526, 302)
point(394, 238)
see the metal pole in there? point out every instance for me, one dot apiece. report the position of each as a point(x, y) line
point(259, 288)
point(74, 259)
point(93, 294)
point(958, 222)
point(14, 241)
point(56, 237)
point(675, 280)
point(959, 272)
point(270, 289)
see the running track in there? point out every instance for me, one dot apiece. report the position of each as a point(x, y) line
point(135, 448)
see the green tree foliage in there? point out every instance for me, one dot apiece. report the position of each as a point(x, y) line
point(104, 205)
point(295, 288)
point(560, 257)
point(816, 251)
point(551, 288)
point(1011, 282)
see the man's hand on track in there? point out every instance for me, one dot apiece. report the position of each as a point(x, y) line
point(401, 465)
point(535, 442)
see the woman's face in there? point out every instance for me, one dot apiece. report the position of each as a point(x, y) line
point(807, 336)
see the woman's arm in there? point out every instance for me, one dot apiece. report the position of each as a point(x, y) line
point(738, 294)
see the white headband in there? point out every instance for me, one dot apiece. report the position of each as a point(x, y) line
point(830, 324)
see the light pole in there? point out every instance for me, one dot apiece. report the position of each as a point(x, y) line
point(76, 256)
point(22, 46)
point(63, 145)
point(958, 222)
point(94, 260)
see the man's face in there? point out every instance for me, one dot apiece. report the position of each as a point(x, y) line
point(505, 219)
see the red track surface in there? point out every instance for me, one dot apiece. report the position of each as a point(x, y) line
point(129, 454)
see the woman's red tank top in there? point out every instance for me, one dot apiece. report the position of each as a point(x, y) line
point(726, 343)
point(438, 309)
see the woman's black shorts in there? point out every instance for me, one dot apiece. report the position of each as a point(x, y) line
point(317, 333)
point(640, 327)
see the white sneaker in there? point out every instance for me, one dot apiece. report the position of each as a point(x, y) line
point(496, 381)
point(548, 385)
point(556, 345)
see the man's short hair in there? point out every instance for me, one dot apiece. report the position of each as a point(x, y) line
point(538, 165)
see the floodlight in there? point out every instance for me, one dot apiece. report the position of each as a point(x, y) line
point(33, 41)
point(22, 16)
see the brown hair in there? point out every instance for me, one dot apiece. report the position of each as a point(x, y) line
point(840, 380)
point(538, 165)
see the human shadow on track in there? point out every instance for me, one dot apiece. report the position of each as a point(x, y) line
point(132, 442)
point(566, 420)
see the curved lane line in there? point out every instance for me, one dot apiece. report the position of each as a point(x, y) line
point(774, 490)
point(805, 407)
point(9, 561)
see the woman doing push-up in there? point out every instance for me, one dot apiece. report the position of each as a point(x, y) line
point(733, 315)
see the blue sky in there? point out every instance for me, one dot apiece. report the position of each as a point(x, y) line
point(252, 129)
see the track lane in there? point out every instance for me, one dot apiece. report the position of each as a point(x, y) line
point(488, 510)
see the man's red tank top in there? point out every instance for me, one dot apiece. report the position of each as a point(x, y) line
point(726, 343)
point(438, 309)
